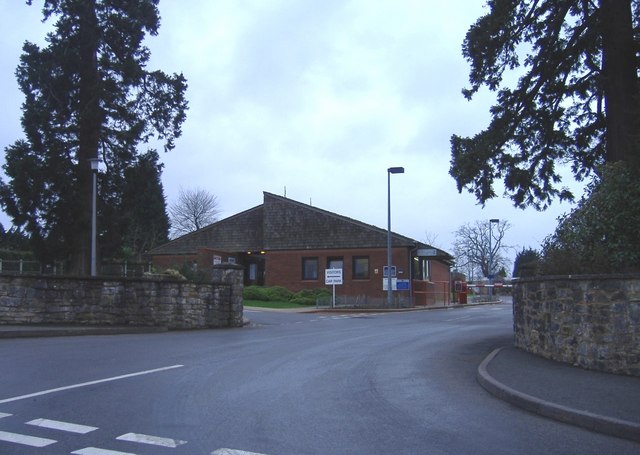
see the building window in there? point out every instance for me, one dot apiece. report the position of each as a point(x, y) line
point(335, 263)
point(361, 267)
point(309, 268)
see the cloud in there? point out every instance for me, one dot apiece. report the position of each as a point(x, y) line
point(320, 98)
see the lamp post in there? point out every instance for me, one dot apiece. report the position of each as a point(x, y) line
point(94, 162)
point(491, 221)
point(391, 170)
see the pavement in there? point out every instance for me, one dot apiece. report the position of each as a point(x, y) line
point(601, 402)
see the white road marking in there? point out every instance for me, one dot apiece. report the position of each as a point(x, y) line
point(2, 415)
point(457, 319)
point(153, 440)
point(85, 384)
point(62, 426)
point(97, 451)
point(233, 452)
point(25, 440)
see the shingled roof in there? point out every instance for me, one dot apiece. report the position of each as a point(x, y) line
point(284, 224)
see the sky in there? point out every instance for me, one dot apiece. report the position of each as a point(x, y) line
point(315, 100)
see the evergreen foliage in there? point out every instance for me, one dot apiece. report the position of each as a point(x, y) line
point(88, 94)
point(576, 102)
point(601, 234)
point(526, 263)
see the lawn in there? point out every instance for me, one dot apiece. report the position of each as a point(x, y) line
point(277, 305)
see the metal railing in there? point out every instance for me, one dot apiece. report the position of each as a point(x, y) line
point(23, 267)
point(120, 269)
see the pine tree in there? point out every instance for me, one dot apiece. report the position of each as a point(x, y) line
point(577, 100)
point(88, 94)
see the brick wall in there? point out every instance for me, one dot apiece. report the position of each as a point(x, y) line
point(589, 321)
point(140, 302)
point(285, 269)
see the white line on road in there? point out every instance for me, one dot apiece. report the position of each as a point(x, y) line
point(84, 384)
point(2, 415)
point(233, 452)
point(153, 440)
point(25, 440)
point(97, 451)
point(62, 426)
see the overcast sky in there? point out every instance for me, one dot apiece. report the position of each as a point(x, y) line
point(320, 98)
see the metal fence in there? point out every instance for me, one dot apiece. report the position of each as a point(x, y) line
point(24, 267)
point(120, 269)
point(400, 300)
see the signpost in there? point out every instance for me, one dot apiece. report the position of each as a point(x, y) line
point(333, 277)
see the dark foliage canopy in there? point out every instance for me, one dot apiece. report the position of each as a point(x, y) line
point(88, 94)
point(576, 101)
point(600, 235)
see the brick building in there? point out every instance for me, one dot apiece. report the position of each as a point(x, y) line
point(287, 243)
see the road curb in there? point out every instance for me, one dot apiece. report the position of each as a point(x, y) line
point(585, 419)
point(45, 332)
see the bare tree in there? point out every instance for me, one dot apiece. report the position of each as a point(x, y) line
point(193, 210)
point(431, 239)
point(479, 246)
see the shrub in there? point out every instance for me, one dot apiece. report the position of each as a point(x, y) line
point(526, 264)
point(255, 293)
point(310, 296)
point(278, 294)
point(601, 234)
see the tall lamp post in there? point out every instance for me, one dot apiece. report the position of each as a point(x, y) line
point(391, 170)
point(94, 171)
point(491, 221)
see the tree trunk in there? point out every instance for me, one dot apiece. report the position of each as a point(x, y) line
point(89, 124)
point(620, 82)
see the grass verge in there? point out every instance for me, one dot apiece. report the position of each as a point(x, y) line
point(277, 305)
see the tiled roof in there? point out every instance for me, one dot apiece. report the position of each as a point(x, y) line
point(283, 224)
point(240, 232)
point(291, 225)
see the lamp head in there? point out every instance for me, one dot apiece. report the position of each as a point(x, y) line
point(396, 170)
point(94, 162)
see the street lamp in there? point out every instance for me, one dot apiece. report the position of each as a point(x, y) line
point(391, 170)
point(491, 221)
point(94, 162)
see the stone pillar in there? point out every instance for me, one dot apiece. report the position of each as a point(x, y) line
point(231, 277)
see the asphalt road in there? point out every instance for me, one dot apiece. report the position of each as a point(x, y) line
point(288, 384)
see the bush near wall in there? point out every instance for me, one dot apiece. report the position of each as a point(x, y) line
point(281, 294)
point(601, 234)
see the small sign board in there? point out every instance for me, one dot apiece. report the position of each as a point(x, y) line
point(427, 252)
point(385, 284)
point(402, 285)
point(333, 277)
point(385, 271)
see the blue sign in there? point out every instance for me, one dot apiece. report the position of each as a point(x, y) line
point(402, 285)
point(385, 271)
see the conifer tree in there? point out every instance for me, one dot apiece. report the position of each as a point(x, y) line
point(88, 94)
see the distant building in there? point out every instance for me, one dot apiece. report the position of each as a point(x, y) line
point(287, 243)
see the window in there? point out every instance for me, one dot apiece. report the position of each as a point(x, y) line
point(361, 267)
point(309, 268)
point(335, 263)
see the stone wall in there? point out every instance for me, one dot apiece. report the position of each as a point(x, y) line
point(592, 321)
point(136, 302)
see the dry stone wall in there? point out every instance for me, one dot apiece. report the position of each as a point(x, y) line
point(588, 321)
point(140, 302)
